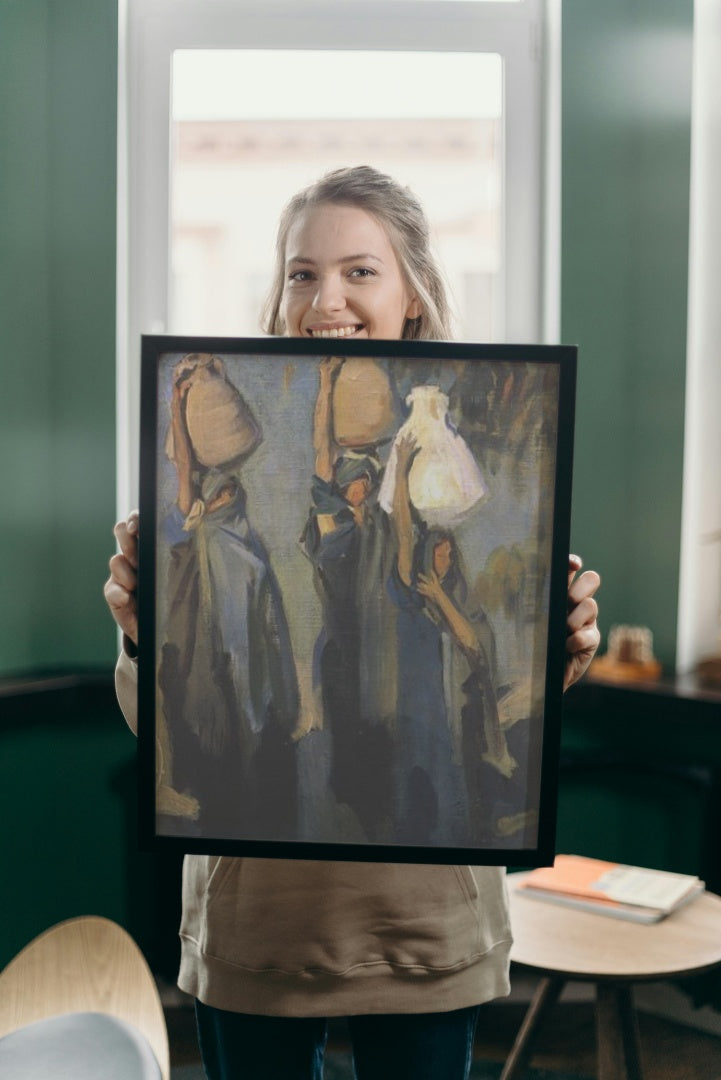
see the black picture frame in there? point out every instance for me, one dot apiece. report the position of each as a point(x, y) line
point(352, 642)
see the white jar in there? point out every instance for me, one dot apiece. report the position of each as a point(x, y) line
point(445, 482)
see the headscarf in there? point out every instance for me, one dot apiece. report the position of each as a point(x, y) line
point(354, 465)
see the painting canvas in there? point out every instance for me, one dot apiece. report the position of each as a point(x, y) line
point(353, 573)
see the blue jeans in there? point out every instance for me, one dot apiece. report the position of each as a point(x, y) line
point(415, 1046)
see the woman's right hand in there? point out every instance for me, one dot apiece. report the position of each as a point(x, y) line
point(121, 587)
point(406, 450)
point(329, 367)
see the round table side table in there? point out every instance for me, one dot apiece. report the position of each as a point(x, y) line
point(564, 944)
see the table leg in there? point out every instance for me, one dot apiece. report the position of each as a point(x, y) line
point(545, 997)
point(617, 1033)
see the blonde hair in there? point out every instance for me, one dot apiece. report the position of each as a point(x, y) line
point(403, 217)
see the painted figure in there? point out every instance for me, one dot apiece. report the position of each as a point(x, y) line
point(448, 716)
point(349, 542)
point(226, 674)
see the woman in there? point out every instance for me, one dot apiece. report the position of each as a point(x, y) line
point(447, 711)
point(227, 677)
point(271, 948)
point(348, 540)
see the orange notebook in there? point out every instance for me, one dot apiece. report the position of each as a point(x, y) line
point(632, 892)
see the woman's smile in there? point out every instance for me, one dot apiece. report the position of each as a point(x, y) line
point(334, 331)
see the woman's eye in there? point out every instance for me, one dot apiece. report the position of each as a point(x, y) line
point(362, 272)
point(300, 276)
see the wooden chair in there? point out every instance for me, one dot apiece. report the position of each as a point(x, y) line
point(70, 981)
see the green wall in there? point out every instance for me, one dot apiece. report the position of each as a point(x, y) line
point(625, 201)
point(57, 327)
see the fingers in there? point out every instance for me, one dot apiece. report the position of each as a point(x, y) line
point(581, 648)
point(583, 587)
point(575, 563)
point(123, 607)
point(424, 584)
point(582, 613)
point(330, 366)
point(123, 573)
point(407, 448)
point(582, 633)
point(584, 641)
point(407, 444)
point(181, 386)
point(183, 370)
point(121, 587)
point(126, 534)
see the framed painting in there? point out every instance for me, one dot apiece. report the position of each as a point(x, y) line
point(352, 597)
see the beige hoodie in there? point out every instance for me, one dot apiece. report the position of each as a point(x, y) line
point(284, 937)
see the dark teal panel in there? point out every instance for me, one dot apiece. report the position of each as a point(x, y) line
point(82, 223)
point(626, 165)
point(68, 787)
point(641, 777)
point(68, 798)
point(26, 406)
point(631, 818)
point(57, 280)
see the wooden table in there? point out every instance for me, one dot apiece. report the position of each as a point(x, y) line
point(563, 944)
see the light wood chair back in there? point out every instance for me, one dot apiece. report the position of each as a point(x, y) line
point(87, 964)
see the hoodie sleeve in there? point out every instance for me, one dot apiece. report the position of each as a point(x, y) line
point(126, 688)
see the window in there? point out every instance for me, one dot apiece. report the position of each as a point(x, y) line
point(232, 104)
point(236, 159)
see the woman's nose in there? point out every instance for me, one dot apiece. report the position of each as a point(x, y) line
point(329, 296)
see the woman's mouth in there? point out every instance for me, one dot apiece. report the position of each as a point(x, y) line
point(335, 331)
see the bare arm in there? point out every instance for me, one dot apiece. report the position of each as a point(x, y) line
point(126, 689)
point(461, 629)
point(323, 418)
point(406, 449)
point(182, 449)
point(582, 638)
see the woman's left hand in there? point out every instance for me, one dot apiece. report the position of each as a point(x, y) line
point(429, 585)
point(582, 633)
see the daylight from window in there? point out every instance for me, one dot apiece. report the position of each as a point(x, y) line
point(249, 128)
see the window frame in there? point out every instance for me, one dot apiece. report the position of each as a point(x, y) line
point(526, 34)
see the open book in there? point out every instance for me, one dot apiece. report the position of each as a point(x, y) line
point(608, 888)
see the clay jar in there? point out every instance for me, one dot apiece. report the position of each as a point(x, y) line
point(221, 427)
point(363, 409)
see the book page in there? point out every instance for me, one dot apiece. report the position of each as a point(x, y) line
point(652, 888)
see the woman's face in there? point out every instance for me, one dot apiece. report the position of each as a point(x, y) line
point(342, 277)
point(442, 558)
point(356, 493)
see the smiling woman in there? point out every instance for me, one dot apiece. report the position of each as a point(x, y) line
point(336, 294)
point(298, 945)
point(360, 268)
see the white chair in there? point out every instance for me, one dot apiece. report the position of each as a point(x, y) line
point(80, 1002)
